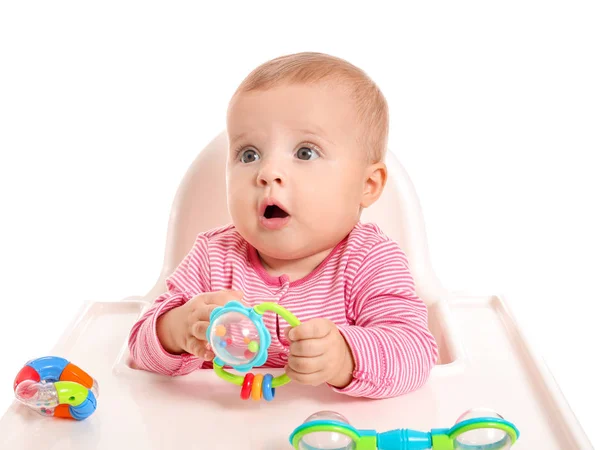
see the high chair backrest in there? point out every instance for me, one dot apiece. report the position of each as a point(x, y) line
point(201, 204)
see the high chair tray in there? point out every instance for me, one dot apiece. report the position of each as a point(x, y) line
point(484, 362)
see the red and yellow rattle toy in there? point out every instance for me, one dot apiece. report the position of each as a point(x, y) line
point(55, 387)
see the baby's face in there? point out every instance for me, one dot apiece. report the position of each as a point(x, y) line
point(295, 171)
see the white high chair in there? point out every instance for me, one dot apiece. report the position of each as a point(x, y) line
point(484, 359)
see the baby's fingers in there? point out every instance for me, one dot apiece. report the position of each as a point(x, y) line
point(307, 365)
point(199, 349)
point(199, 330)
point(312, 329)
point(313, 379)
point(196, 347)
point(308, 348)
point(221, 298)
point(212, 301)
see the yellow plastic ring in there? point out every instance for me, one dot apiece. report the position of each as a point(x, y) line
point(257, 387)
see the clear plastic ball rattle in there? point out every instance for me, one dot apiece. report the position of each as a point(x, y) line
point(234, 339)
point(327, 440)
point(43, 397)
point(482, 438)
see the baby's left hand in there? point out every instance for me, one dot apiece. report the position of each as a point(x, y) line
point(319, 354)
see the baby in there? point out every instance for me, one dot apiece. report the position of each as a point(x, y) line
point(307, 139)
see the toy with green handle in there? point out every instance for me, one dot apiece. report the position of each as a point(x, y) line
point(239, 338)
point(477, 429)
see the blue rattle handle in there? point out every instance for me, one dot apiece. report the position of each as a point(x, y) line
point(403, 439)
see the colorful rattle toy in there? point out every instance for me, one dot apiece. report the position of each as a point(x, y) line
point(53, 386)
point(239, 338)
point(477, 429)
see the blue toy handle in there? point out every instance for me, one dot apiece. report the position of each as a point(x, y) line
point(86, 409)
point(404, 439)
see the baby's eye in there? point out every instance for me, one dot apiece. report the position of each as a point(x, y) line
point(307, 153)
point(249, 156)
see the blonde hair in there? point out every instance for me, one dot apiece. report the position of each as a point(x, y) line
point(309, 67)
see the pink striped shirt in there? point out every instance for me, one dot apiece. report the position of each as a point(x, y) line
point(364, 286)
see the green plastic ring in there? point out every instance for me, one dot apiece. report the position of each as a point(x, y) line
point(239, 380)
point(329, 428)
point(278, 309)
point(484, 424)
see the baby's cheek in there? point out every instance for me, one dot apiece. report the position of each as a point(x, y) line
point(238, 208)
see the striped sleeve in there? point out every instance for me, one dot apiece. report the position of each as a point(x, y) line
point(189, 279)
point(392, 346)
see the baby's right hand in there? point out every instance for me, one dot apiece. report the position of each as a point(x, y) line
point(183, 329)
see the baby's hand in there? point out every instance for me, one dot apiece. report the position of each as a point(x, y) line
point(183, 329)
point(319, 354)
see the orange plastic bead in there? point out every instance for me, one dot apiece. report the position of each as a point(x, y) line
point(73, 373)
point(63, 412)
point(257, 386)
point(220, 330)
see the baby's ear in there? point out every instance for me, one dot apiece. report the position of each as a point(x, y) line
point(375, 179)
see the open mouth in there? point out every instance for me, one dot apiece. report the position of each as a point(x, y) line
point(273, 216)
point(275, 212)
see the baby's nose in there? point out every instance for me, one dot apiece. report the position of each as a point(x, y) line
point(265, 181)
point(270, 174)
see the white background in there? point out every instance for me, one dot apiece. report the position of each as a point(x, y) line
point(495, 113)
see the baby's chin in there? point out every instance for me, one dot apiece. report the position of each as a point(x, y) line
point(287, 251)
point(283, 247)
point(288, 244)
